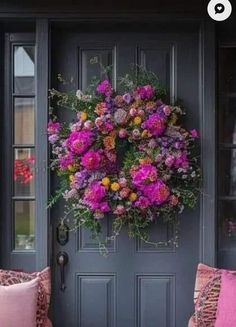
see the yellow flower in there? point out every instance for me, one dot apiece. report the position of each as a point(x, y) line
point(137, 120)
point(83, 115)
point(105, 181)
point(71, 178)
point(145, 133)
point(115, 186)
point(133, 196)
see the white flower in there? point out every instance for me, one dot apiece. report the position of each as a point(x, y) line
point(79, 94)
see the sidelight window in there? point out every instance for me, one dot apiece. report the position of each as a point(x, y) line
point(23, 146)
point(226, 153)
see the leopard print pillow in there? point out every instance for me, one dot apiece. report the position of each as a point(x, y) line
point(9, 277)
point(206, 305)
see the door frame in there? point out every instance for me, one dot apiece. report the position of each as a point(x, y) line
point(207, 114)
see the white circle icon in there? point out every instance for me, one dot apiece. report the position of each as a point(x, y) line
point(219, 10)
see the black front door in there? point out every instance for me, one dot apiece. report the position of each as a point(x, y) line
point(137, 285)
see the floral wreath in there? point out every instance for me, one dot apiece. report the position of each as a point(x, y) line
point(125, 156)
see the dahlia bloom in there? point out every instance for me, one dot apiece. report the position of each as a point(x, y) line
point(155, 123)
point(78, 142)
point(146, 174)
point(95, 193)
point(91, 160)
point(157, 192)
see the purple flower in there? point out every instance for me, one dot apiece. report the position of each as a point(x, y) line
point(105, 88)
point(169, 161)
point(79, 179)
point(53, 138)
point(78, 142)
point(91, 160)
point(127, 98)
point(181, 160)
point(66, 161)
point(156, 124)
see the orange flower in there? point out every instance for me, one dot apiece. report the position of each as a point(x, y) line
point(174, 200)
point(115, 186)
point(137, 120)
point(101, 108)
point(145, 161)
point(133, 196)
point(109, 142)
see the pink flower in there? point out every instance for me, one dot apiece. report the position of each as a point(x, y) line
point(88, 124)
point(91, 160)
point(167, 110)
point(146, 174)
point(142, 203)
point(122, 181)
point(155, 123)
point(120, 210)
point(105, 88)
point(194, 133)
point(53, 127)
point(127, 98)
point(157, 192)
point(78, 142)
point(145, 92)
point(170, 161)
point(123, 133)
point(95, 193)
point(104, 207)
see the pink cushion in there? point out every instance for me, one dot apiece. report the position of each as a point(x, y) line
point(9, 277)
point(18, 304)
point(48, 323)
point(226, 313)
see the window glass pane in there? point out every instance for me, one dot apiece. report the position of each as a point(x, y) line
point(24, 225)
point(24, 121)
point(24, 58)
point(227, 173)
point(227, 99)
point(24, 177)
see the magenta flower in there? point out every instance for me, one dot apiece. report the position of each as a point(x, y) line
point(181, 160)
point(145, 92)
point(104, 207)
point(105, 88)
point(142, 202)
point(156, 124)
point(66, 161)
point(95, 193)
point(146, 174)
point(194, 133)
point(78, 142)
point(91, 160)
point(53, 127)
point(157, 192)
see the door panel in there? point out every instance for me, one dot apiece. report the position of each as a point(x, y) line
point(137, 285)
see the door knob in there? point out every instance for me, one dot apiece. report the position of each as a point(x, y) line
point(62, 260)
